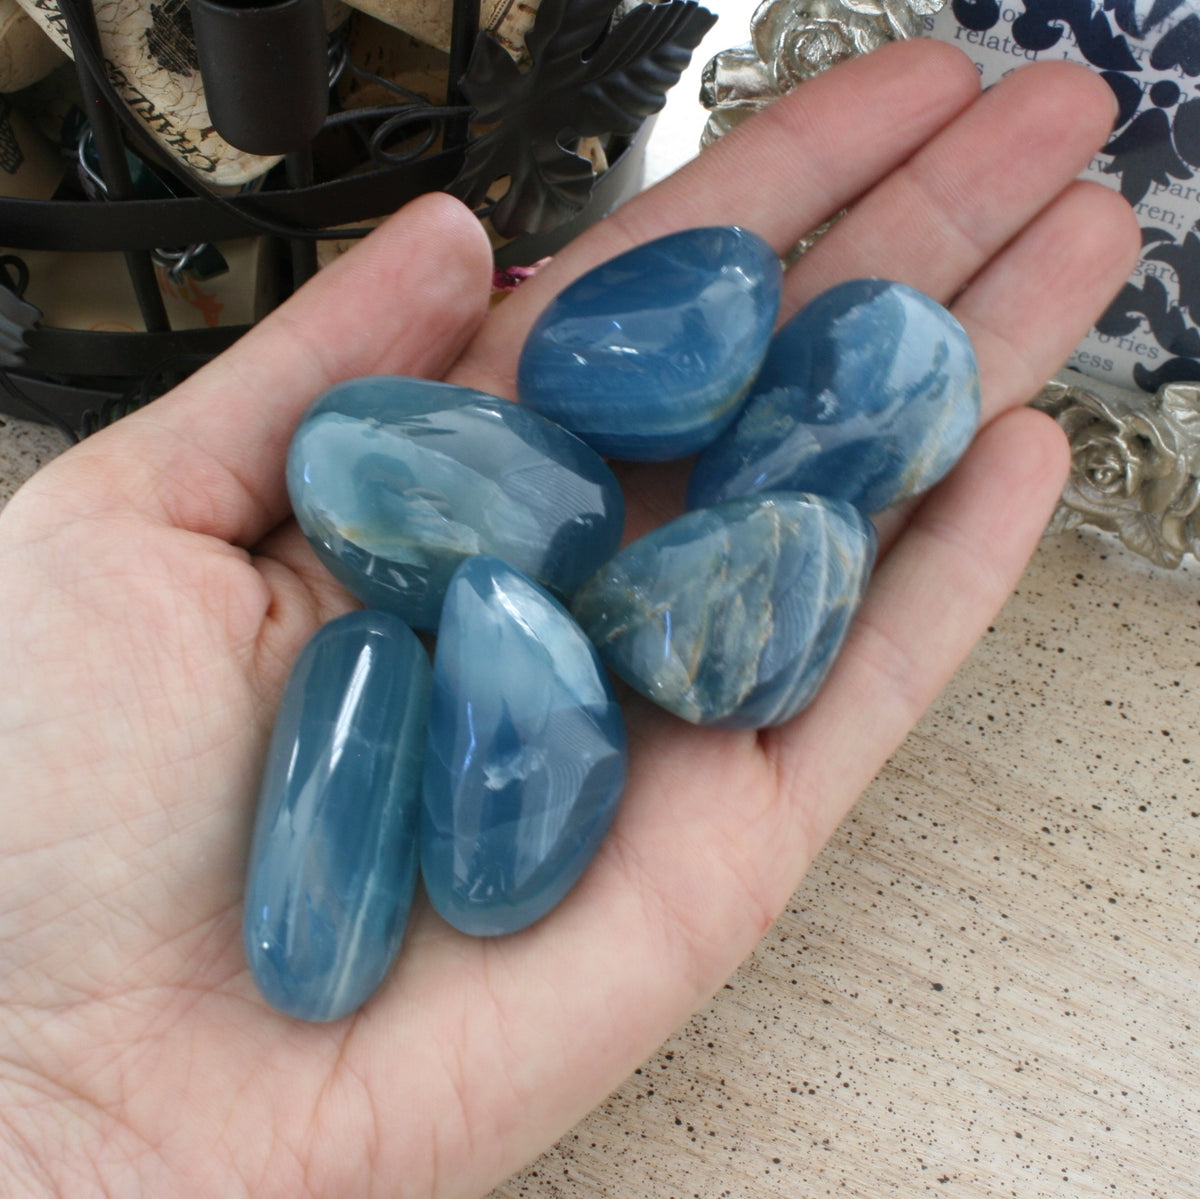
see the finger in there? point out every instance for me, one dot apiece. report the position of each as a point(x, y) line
point(941, 216)
point(780, 174)
point(1036, 300)
point(930, 600)
point(304, 595)
point(986, 218)
point(209, 456)
point(1024, 313)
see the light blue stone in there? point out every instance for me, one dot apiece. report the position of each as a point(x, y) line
point(648, 356)
point(732, 615)
point(526, 758)
point(395, 481)
point(333, 862)
point(869, 394)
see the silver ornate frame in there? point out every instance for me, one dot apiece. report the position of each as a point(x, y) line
point(1135, 457)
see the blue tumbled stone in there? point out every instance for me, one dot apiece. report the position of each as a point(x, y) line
point(333, 861)
point(648, 356)
point(526, 757)
point(732, 615)
point(395, 481)
point(869, 394)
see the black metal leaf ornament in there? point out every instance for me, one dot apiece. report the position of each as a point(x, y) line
point(585, 79)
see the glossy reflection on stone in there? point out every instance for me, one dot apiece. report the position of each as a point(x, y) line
point(395, 481)
point(333, 862)
point(732, 615)
point(869, 394)
point(648, 356)
point(526, 757)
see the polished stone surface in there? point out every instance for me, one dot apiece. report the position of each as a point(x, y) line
point(732, 615)
point(333, 862)
point(395, 481)
point(648, 356)
point(869, 394)
point(526, 757)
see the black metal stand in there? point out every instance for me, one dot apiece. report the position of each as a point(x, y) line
point(80, 379)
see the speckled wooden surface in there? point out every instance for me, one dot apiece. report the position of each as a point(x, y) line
point(24, 447)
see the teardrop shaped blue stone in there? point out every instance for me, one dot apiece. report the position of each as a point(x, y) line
point(395, 481)
point(333, 862)
point(732, 615)
point(869, 394)
point(526, 758)
point(647, 357)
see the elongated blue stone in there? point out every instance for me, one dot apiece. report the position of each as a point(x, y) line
point(395, 481)
point(648, 356)
point(333, 862)
point(733, 615)
point(869, 394)
point(526, 757)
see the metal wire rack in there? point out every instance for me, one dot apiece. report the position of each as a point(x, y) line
point(82, 379)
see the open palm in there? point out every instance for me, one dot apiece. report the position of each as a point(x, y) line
point(153, 594)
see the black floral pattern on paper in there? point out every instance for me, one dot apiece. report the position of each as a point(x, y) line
point(1128, 93)
point(1179, 47)
point(586, 79)
point(1174, 370)
point(976, 14)
point(1150, 146)
point(1040, 27)
point(1145, 153)
point(1150, 301)
point(1183, 257)
point(1125, 14)
point(1171, 319)
point(1155, 146)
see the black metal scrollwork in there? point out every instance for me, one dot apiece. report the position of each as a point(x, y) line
point(588, 77)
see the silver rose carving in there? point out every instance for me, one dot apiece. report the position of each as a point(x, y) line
point(793, 40)
point(1135, 468)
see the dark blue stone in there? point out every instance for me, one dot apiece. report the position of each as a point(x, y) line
point(526, 757)
point(869, 394)
point(333, 863)
point(732, 615)
point(395, 481)
point(648, 356)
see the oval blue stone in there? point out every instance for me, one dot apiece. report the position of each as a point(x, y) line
point(732, 615)
point(333, 862)
point(395, 481)
point(526, 757)
point(869, 394)
point(648, 356)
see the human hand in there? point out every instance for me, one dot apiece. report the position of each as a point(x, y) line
point(154, 594)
